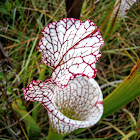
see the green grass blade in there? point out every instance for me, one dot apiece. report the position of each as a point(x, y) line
point(31, 126)
point(127, 91)
point(10, 131)
point(129, 135)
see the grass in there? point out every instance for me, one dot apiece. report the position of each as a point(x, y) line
point(21, 23)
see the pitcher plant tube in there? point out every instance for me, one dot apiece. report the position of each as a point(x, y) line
point(71, 96)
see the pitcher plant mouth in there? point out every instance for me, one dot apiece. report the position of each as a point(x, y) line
point(71, 96)
point(75, 106)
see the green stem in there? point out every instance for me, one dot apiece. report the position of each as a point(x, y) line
point(54, 136)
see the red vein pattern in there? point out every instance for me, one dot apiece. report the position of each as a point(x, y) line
point(72, 97)
point(78, 105)
point(71, 47)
